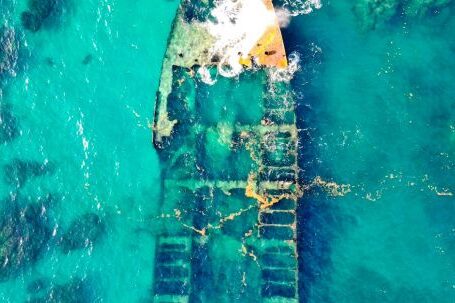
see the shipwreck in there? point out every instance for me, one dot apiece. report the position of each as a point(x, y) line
point(225, 131)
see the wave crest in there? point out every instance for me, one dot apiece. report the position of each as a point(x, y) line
point(300, 7)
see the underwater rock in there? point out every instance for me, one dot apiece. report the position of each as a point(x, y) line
point(41, 11)
point(24, 233)
point(8, 125)
point(75, 291)
point(19, 171)
point(83, 232)
point(30, 21)
point(373, 12)
point(8, 51)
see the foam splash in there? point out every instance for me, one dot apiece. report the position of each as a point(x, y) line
point(287, 74)
point(205, 76)
point(284, 17)
point(300, 7)
point(232, 40)
point(293, 8)
point(231, 18)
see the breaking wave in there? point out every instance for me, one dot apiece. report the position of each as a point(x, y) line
point(205, 76)
point(287, 74)
point(286, 9)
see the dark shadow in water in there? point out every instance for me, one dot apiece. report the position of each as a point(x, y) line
point(18, 171)
point(87, 59)
point(85, 231)
point(24, 234)
point(38, 286)
point(46, 14)
point(49, 61)
point(9, 128)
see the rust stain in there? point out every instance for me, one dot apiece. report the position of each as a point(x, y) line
point(202, 232)
point(269, 50)
point(249, 253)
point(263, 200)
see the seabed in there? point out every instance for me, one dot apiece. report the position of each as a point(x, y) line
point(227, 141)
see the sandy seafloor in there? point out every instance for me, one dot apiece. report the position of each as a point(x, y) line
point(377, 109)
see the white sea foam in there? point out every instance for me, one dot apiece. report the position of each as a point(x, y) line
point(237, 28)
point(301, 7)
point(284, 17)
point(204, 73)
point(293, 8)
point(286, 74)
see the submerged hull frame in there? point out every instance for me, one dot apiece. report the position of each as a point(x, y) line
point(192, 188)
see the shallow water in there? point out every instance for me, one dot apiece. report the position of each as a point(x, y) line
point(88, 118)
point(376, 106)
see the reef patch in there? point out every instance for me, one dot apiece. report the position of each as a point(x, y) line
point(24, 233)
point(8, 51)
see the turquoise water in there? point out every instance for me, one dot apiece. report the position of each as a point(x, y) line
point(379, 108)
point(90, 123)
point(378, 112)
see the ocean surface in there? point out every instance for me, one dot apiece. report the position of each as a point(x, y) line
point(79, 176)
